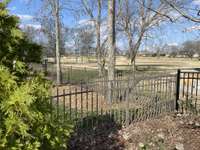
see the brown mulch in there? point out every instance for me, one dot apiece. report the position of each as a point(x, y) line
point(102, 136)
point(181, 132)
point(171, 132)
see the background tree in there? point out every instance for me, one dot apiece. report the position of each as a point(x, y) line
point(31, 33)
point(51, 11)
point(137, 18)
point(171, 50)
point(197, 47)
point(188, 49)
point(56, 13)
point(48, 29)
point(184, 11)
point(111, 47)
point(85, 42)
point(93, 9)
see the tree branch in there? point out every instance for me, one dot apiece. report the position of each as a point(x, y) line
point(87, 9)
point(181, 12)
point(156, 11)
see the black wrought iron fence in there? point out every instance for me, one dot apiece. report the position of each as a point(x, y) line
point(188, 90)
point(132, 99)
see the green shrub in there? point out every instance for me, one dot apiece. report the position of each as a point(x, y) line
point(25, 121)
point(14, 43)
point(25, 115)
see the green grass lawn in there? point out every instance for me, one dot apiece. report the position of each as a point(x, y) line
point(79, 75)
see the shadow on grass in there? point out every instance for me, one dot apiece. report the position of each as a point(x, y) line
point(96, 133)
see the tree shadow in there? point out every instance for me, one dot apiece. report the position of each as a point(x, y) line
point(97, 133)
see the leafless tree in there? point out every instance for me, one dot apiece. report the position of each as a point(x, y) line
point(111, 46)
point(183, 13)
point(50, 17)
point(56, 14)
point(137, 17)
point(189, 48)
point(30, 33)
point(188, 16)
point(93, 9)
point(85, 41)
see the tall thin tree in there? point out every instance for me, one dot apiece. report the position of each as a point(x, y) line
point(111, 47)
point(93, 9)
point(56, 13)
point(98, 33)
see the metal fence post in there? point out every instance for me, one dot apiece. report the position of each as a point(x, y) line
point(177, 88)
point(45, 61)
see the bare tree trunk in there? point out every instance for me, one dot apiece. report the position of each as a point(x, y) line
point(131, 50)
point(133, 63)
point(135, 48)
point(111, 47)
point(89, 11)
point(57, 29)
point(98, 30)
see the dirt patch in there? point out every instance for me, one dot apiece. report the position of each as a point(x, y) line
point(172, 132)
point(181, 132)
point(102, 136)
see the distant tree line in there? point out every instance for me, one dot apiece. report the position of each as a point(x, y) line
point(187, 49)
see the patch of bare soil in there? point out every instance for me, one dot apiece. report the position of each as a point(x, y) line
point(100, 136)
point(172, 132)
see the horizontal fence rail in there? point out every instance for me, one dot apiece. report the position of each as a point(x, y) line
point(125, 101)
point(84, 97)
